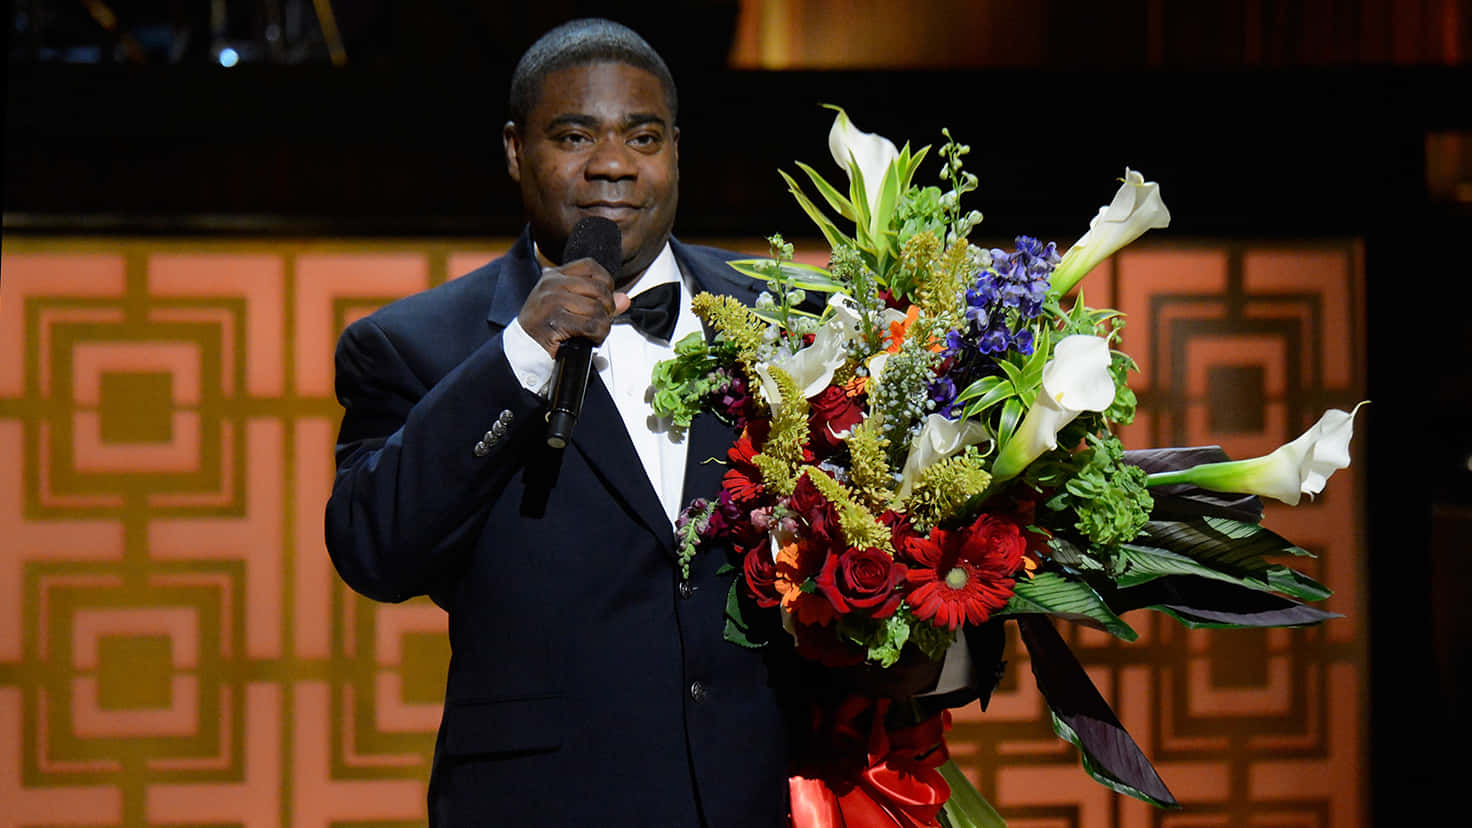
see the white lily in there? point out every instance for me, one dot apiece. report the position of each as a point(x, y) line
point(871, 154)
point(812, 367)
point(1294, 469)
point(938, 439)
point(1136, 207)
point(1075, 380)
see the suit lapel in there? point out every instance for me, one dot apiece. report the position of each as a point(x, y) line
point(709, 438)
point(600, 436)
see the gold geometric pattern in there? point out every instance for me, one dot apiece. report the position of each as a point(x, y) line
point(176, 649)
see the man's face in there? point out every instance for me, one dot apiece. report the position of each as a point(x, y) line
point(598, 142)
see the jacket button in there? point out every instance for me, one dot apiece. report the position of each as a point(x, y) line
point(686, 590)
point(697, 692)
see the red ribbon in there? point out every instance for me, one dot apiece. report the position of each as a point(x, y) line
point(898, 785)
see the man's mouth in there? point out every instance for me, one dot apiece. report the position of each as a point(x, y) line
point(609, 209)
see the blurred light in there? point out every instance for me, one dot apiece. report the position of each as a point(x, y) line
point(229, 57)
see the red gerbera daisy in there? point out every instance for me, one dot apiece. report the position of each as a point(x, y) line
point(964, 575)
point(742, 479)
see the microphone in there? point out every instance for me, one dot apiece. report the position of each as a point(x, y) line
point(598, 239)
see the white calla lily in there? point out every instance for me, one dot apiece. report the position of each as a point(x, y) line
point(1294, 469)
point(873, 154)
point(938, 439)
point(1136, 207)
point(812, 367)
point(1075, 380)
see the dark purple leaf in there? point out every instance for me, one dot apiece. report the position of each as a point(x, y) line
point(1109, 754)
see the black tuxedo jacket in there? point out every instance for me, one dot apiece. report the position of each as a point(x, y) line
point(588, 684)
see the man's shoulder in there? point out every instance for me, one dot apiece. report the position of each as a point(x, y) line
point(469, 294)
point(712, 264)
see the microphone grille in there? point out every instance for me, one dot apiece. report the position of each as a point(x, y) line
point(596, 238)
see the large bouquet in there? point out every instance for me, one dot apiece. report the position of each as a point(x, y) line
point(925, 446)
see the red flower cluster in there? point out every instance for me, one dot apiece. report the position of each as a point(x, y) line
point(965, 575)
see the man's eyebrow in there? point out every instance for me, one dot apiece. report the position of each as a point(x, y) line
point(573, 119)
point(638, 119)
point(630, 121)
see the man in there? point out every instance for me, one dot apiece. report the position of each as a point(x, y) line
point(589, 683)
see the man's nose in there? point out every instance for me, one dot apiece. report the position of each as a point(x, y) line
point(611, 160)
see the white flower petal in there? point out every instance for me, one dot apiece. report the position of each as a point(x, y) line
point(1136, 208)
point(872, 153)
point(939, 438)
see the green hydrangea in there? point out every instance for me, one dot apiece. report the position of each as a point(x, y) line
point(1108, 495)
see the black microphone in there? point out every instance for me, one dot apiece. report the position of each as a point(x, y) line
point(598, 239)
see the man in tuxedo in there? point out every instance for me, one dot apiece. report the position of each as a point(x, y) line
point(589, 682)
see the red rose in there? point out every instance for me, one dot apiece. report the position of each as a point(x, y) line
point(814, 509)
point(823, 645)
point(832, 410)
point(862, 579)
point(761, 576)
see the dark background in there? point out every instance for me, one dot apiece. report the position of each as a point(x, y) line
point(404, 140)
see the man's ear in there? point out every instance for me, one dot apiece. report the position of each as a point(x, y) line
point(511, 140)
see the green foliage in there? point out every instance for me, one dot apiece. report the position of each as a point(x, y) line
point(1107, 495)
point(782, 453)
point(734, 321)
point(931, 640)
point(884, 640)
point(944, 488)
point(961, 183)
point(869, 471)
point(738, 630)
point(916, 257)
point(966, 807)
point(1053, 594)
point(860, 528)
point(1219, 549)
point(684, 384)
point(920, 211)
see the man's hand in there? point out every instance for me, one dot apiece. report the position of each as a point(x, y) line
point(576, 299)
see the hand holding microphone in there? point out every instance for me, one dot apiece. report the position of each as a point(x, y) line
point(570, 310)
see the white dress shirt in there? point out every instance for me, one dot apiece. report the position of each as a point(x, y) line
point(625, 361)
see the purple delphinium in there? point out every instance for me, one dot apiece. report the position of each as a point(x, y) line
point(1000, 307)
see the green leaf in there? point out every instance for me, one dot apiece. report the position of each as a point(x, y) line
point(840, 205)
point(912, 166)
point(966, 807)
point(1052, 594)
point(1012, 412)
point(738, 631)
point(1217, 548)
point(1031, 379)
point(988, 391)
point(858, 196)
point(889, 196)
point(805, 276)
point(775, 318)
point(1014, 375)
point(830, 231)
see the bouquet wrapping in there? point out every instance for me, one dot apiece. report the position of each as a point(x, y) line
point(926, 451)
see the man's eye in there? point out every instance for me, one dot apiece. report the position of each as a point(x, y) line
point(644, 140)
point(572, 139)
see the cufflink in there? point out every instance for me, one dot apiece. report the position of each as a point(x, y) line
point(498, 431)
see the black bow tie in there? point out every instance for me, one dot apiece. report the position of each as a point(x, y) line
point(655, 311)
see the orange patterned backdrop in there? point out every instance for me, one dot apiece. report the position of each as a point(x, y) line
point(176, 650)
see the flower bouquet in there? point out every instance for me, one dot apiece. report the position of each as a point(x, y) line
point(925, 451)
